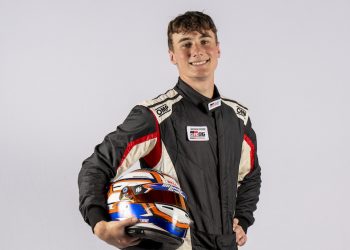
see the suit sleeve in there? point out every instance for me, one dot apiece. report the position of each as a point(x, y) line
point(249, 179)
point(135, 138)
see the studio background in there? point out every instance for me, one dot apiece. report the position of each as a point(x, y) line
point(70, 72)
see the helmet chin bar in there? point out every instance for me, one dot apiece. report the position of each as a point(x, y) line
point(156, 235)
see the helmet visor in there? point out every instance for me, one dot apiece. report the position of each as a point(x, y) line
point(155, 193)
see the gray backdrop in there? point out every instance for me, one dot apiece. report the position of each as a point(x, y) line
point(70, 71)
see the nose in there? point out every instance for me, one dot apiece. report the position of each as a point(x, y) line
point(196, 50)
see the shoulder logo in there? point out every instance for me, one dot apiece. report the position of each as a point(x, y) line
point(241, 111)
point(163, 109)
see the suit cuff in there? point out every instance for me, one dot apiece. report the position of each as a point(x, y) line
point(96, 214)
point(243, 223)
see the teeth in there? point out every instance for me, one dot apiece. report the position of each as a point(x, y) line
point(198, 63)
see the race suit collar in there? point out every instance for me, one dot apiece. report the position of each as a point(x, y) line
point(207, 104)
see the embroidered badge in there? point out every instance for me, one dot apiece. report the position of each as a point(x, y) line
point(214, 104)
point(161, 110)
point(197, 133)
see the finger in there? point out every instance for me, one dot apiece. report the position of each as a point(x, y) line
point(127, 238)
point(238, 229)
point(126, 241)
point(242, 240)
point(129, 241)
point(235, 223)
point(128, 222)
point(134, 243)
point(134, 239)
point(238, 238)
point(239, 233)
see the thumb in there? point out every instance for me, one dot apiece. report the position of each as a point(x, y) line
point(128, 222)
point(235, 223)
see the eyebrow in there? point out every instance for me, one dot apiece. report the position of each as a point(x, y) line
point(188, 38)
point(184, 39)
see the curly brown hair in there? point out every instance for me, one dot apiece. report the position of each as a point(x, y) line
point(188, 22)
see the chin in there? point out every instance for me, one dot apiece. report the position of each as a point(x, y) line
point(200, 77)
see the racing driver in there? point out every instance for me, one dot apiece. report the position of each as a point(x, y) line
point(192, 133)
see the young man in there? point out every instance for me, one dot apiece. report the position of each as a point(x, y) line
point(201, 139)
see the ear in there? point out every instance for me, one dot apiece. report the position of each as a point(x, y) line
point(219, 50)
point(172, 57)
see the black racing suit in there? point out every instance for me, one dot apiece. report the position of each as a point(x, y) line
point(208, 145)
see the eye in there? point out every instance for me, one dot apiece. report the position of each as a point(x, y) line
point(204, 42)
point(187, 45)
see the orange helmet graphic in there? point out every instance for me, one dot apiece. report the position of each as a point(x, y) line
point(156, 199)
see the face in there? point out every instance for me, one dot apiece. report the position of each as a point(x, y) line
point(195, 55)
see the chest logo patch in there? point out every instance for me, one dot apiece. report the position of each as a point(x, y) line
point(214, 104)
point(197, 133)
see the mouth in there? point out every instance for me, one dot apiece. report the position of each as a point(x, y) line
point(198, 63)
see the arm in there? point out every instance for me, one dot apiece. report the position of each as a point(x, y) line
point(249, 180)
point(132, 140)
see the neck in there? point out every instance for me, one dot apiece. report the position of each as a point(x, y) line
point(203, 86)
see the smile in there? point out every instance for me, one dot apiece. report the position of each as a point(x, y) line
point(199, 62)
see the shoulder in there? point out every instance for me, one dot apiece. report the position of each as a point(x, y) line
point(240, 110)
point(161, 106)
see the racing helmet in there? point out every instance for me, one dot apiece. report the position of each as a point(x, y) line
point(158, 202)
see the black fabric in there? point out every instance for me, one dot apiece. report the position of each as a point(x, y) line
point(197, 163)
point(207, 170)
point(203, 240)
point(148, 244)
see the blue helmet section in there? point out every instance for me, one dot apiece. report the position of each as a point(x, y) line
point(139, 212)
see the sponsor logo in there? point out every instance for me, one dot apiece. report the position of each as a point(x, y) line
point(138, 190)
point(145, 220)
point(241, 111)
point(197, 133)
point(170, 181)
point(174, 189)
point(214, 104)
point(161, 110)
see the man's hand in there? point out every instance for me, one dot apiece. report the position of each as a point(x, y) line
point(113, 232)
point(241, 237)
